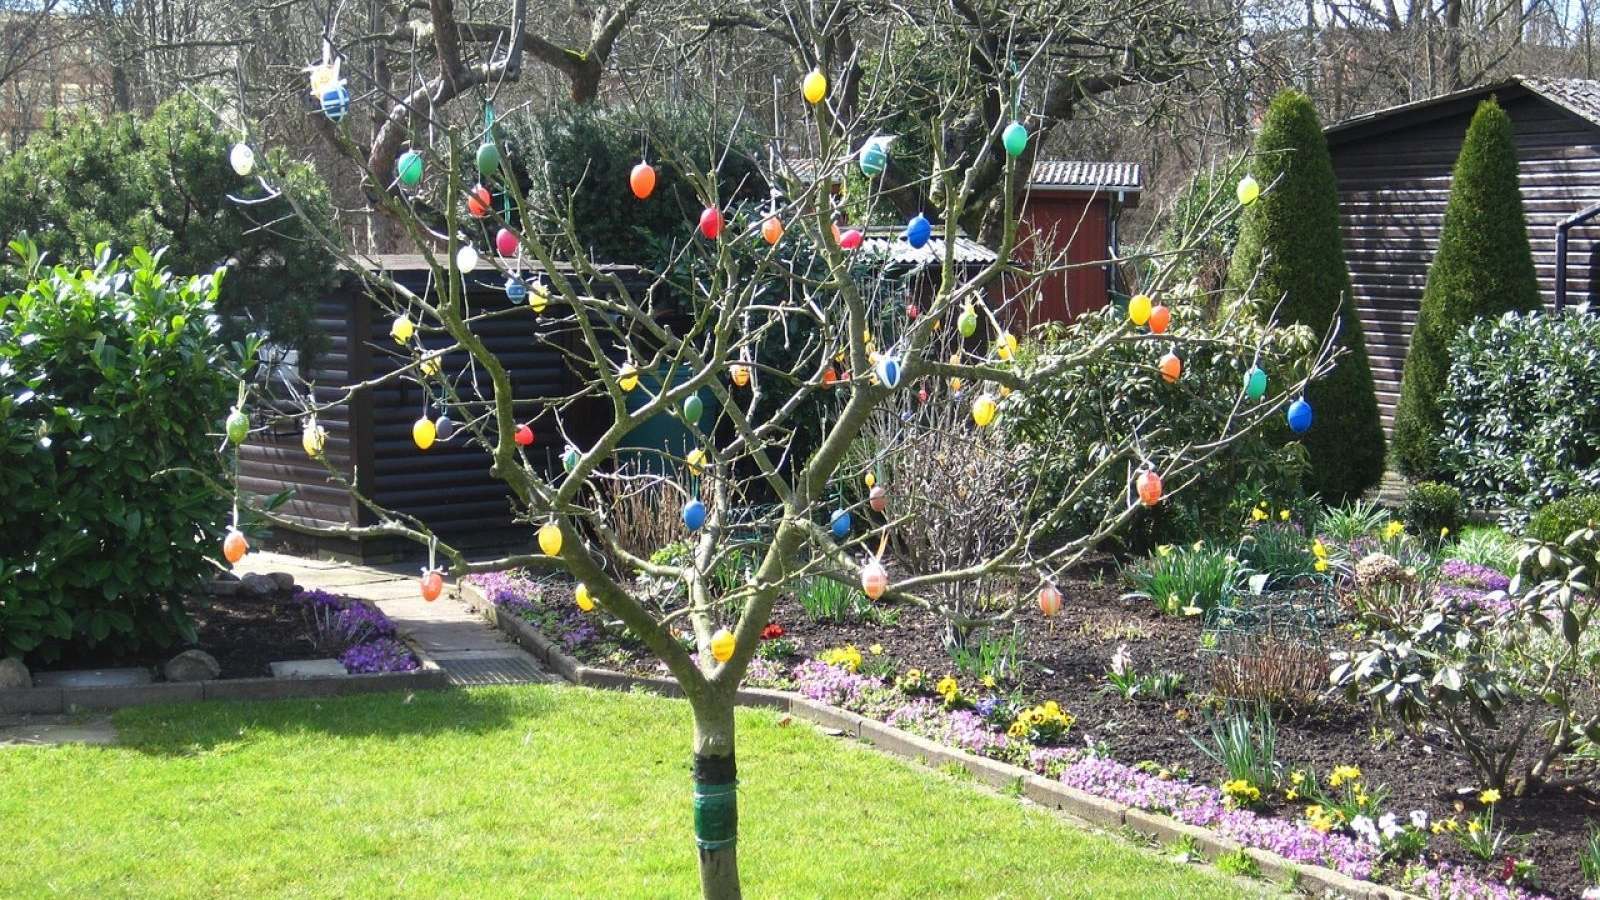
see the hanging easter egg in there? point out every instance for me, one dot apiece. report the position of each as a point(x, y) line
point(888, 371)
point(423, 432)
point(1049, 601)
point(874, 158)
point(912, 311)
point(693, 408)
point(740, 373)
point(505, 241)
point(570, 458)
point(850, 239)
point(538, 297)
point(694, 515)
point(409, 168)
point(870, 479)
point(829, 376)
point(983, 410)
point(523, 435)
point(583, 598)
point(402, 329)
point(238, 426)
point(967, 324)
point(1160, 319)
point(550, 539)
point(839, 523)
point(1006, 347)
point(313, 438)
point(1139, 309)
point(628, 378)
point(918, 231)
point(335, 102)
point(432, 585)
point(874, 579)
point(696, 461)
point(772, 230)
point(642, 180)
point(1149, 485)
point(922, 395)
point(722, 644)
point(516, 289)
point(323, 76)
point(1015, 138)
point(1299, 416)
point(479, 201)
point(878, 498)
point(243, 160)
point(234, 546)
point(1248, 190)
point(431, 367)
point(711, 222)
point(814, 87)
point(466, 258)
point(444, 428)
point(488, 159)
point(1171, 367)
point(1255, 383)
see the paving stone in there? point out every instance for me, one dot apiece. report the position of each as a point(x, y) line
point(33, 731)
point(307, 668)
point(93, 678)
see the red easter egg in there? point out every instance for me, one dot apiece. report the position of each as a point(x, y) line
point(642, 180)
point(851, 239)
point(1171, 367)
point(505, 240)
point(479, 201)
point(878, 499)
point(234, 546)
point(1160, 318)
point(523, 435)
point(432, 585)
point(711, 222)
point(1149, 484)
point(912, 311)
point(1049, 601)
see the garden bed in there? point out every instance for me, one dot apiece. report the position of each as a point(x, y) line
point(1139, 746)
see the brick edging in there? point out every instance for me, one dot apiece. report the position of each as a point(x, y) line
point(1043, 791)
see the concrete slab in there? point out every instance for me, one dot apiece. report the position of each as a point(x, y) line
point(307, 668)
point(36, 731)
point(435, 637)
point(93, 678)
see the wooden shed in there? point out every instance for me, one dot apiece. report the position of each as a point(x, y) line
point(369, 438)
point(1074, 206)
point(1393, 168)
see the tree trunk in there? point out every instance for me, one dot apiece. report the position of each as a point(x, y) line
point(716, 802)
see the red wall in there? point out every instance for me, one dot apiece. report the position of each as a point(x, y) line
point(1057, 220)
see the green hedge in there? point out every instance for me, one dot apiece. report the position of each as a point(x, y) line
point(1483, 268)
point(109, 377)
point(1559, 518)
point(1290, 249)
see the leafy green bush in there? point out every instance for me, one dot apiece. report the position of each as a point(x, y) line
point(1521, 427)
point(164, 181)
point(1277, 553)
point(1075, 418)
point(1349, 521)
point(109, 377)
point(1432, 510)
point(1185, 580)
point(1484, 268)
point(1205, 224)
point(1559, 518)
point(1290, 249)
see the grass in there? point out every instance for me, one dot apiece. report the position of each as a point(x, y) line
point(544, 790)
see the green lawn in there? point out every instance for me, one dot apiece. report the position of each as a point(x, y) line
point(534, 792)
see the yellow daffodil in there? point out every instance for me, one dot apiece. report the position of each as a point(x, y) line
point(1320, 565)
point(876, 649)
point(1393, 530)
point(1283, 515)
point(1258, 515)
point(1197, 546)
point(1474, 826)
point(1444, 532)
point(1318, 550)
point(1489, 797)
point(989, 682)
point(1164, 550)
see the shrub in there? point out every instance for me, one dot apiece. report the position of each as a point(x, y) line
point(1290, 249)
point(1277, 554)
point(1521, 427)
point(1069, 423)
point(1351, 521)
point(1270, 671)
point(1559, 518)
point(1489, 546)
point(1483, 268)
point(1188, 580)
point(1205, 225)
point(1432, 510)
point(112, 378)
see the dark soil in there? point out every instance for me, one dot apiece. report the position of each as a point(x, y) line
point(1066, 659)
point(243, 633)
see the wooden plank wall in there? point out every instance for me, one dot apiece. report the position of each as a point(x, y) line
point(1393, 187)
point(1076, 222)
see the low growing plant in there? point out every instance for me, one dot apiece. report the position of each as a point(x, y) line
point(1125, 681)
point(827, 600)
point(1487, 546)
point(1589, 857)
point(1270, 670)
point(1278, 554)
point(1185, 580)
point(1555, 520)
point(1245, 743)
point(1348, 522)
point(994, 656)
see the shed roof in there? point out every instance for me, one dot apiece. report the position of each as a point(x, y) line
point(889, 241)
point(1048, 174)
point(1579, 97)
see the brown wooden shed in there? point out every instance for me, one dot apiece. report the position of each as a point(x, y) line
point(1393, 169)
point(369, 439)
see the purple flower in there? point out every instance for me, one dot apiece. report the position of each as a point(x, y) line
point(1472, 575)
point(338, 623)
point(381, 655)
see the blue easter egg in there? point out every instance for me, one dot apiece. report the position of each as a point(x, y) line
point(889, 371)
point(694, 514)
point(516, 289)
point(1299, 416)
point(918, 230)
point(840, 523)
point(335, 103)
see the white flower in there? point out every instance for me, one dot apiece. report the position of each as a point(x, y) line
point(1121, 661)
point(1389, 824)
point(1591, 893)
point(1419, 819)
point(1363, 827)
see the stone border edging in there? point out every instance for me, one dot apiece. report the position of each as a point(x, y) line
point(1040, 790)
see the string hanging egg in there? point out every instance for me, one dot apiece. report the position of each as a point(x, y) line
point(516, 289)
point(918, 231)
point(1171, 367)
point(874, 579)
point(444, 428)
point(583, 598)
point(570, 458)
point(1248, 190)
point(967, 323)
point(694, 515)
point(1255, 383)
point(722, 644)
point(1149, 485)
point(696, 461)
point(870, 479)
point(523, 435)
point(505, 241)
point(409, 168)
point(243, 160)
point(466, 258)
point(693, 408)
point(1160, 318)
point(423, 433)
point(488, 159)
point(550, 539)
point(912, 311)
point(538, 297)
point(839, 523)
point(922, 395)
point(628, 378)
point(1015, 139)
point(772, 230)
point(711, 222)
point(238, 426)
point(983, 410)
point(432, 584)
point(829, 376)
point(888, 371)
point(1049, 601)
point(814, 87)
point(740, 373)
point(234, 546)
point(335, 102)
point(479, 201)
point(1139, 309)
point(878, 498)
point(402, 329)
point(1299, 416)
point(850, 239)
point(313, 438)
point(1006, 346)
point(874, 158)
point(642, 180)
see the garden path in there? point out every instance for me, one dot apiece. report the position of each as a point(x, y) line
point(461, 642)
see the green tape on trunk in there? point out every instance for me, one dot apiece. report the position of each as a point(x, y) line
point(716, 815)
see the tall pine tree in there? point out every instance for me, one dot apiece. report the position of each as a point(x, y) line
point(1291, 234)
point(1484, 268)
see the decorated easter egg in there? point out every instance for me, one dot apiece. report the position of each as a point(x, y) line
point(505, 241)
point(772, 230)
point(722, 644)
point(1049, 601)
point(1149, 485)
point(1255, 383)
point(711, 222)
point(479, 201)
point(234, 546)
point(694, 515)
point(1139, 309)
point(238, 426)
point(550, 539)
point(409, 168)
point(878, 498)
point(1160, 319)
point(983, 410)
point(814, 87)
point(642, 180)
point(1171, 367)
point(243, 160)
point(1299, 416)
point(1248, 190)
point(918, 231)
point(432, 585)
point(874, 579)
point(523, 435)
point(839, 523)
point(1015, 139)
point(423, 433)
point(402, 329)
point(583, 598)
